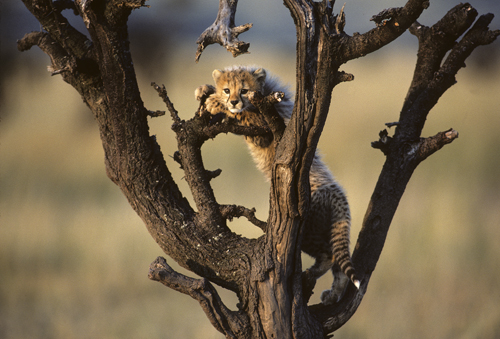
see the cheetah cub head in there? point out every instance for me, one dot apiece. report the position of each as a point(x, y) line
point(232, 87)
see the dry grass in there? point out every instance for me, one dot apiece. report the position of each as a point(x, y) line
point(74, 256)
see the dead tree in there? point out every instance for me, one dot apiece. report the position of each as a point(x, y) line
point(265, 273)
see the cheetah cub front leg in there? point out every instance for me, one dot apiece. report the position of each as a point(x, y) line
point(207, 97)
point(203, 92)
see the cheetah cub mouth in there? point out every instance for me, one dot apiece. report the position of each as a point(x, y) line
point(235, 110)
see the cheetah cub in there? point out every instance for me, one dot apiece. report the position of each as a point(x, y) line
point(326, 237)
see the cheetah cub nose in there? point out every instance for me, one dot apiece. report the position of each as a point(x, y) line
point(234, 102)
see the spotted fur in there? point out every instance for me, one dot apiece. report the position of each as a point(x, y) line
point(327, 235)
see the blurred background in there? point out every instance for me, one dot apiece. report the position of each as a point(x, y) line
point(74, 257)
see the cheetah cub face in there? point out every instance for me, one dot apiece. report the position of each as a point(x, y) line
point(232, 88)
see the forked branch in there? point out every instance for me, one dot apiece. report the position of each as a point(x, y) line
point(224, 32)
point(433, 75)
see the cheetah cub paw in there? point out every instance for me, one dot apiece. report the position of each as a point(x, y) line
point(203, 91)
point(333, 296)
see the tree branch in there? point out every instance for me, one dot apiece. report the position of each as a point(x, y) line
point(433, 76)
point(50, 17)
point(434, 43)
point(162, 92)
point(433, 144)
point(265, 105)
point(224, 32)
point(231, 211)
point(227, 322)
point(230, 126)
point(391, 23)
point(61, 61)
point(406, 149)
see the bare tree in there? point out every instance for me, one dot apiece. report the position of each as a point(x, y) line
point(265, 273)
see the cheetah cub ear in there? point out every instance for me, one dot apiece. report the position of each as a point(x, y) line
point(260, 76)
point(216, 74)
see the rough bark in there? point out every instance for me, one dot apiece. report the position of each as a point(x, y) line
point(265, 273)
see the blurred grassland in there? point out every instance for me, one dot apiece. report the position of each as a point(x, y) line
point(74, 256)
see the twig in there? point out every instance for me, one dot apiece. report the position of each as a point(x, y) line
point(162, 92)
point(210, 174)
point(213, 174)
point(155, 114)
point(433, 144)
point(231, 211)
point(383, 142)
point(344, 77)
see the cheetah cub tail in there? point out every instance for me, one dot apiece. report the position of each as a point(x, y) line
point(356, 283)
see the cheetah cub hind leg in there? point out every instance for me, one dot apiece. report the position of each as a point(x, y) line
point(322, 265)
point(339, 285)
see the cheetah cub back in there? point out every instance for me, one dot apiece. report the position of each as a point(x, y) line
point(326, 234)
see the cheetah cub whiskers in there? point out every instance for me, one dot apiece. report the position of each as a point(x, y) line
point(326, 237)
